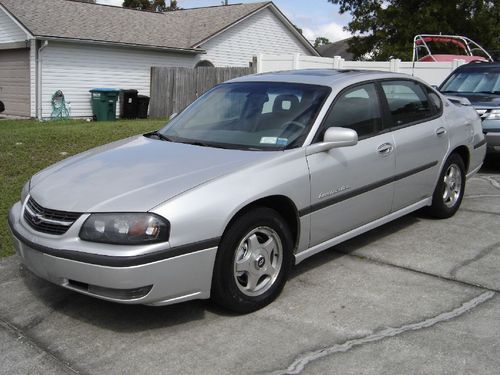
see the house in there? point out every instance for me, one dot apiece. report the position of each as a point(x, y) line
point(339, 48)
point(50, 45)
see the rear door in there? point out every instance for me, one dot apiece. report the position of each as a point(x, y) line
point(352, 186)
point(420, 136)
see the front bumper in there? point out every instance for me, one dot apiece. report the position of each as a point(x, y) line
point(162, 282)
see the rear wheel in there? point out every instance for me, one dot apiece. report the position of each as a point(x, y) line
point(252, 261)
point(449, 191)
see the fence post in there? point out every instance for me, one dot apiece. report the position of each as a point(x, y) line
point(337, 61)
point(394, 63)
point(260, 63)
point(296, 61)
point(456, 63)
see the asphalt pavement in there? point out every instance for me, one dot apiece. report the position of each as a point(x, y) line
point(416, 296)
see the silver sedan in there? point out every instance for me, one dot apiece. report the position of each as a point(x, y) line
point(256, 175)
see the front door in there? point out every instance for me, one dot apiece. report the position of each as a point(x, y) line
point(352, 186)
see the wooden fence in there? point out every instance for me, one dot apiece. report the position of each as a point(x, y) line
point(172, 89)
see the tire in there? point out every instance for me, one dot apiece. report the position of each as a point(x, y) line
point(247, 276)
point(449, 190)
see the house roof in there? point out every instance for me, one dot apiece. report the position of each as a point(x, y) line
point(339, 48)
point(179, 30)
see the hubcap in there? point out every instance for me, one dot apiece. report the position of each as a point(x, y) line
point(452, 185)
point(257, 261)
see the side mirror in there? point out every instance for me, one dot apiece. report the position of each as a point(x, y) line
point(334, 138)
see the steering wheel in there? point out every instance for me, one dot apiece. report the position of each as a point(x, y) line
point(292, 126)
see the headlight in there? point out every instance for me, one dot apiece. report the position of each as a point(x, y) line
point(125, 229)
point(25, 191)
point(494, 115)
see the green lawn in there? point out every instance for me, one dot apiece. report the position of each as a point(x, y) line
point(28, 146)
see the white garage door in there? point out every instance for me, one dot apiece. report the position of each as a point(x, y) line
point(15, 81)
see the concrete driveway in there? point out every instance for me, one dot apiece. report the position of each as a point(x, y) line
point(414, 296)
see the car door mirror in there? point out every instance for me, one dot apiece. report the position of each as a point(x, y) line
point(334, 138)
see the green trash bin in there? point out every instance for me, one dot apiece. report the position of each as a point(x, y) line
point(104, 104)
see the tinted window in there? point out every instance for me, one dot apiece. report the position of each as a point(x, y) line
point(408, 102)
point(358, 109)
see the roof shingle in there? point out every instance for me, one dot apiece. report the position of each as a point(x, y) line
point(182, 29)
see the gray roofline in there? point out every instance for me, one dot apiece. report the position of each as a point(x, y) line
point(16, 21)
point(281, 17)
point(190, 51)
point(294, 30)
point(264, 5)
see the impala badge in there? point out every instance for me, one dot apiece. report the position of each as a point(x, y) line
point(333, 192)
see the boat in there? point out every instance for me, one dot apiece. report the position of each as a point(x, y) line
point(446, 48)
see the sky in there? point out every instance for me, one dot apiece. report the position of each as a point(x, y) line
point(315, 17)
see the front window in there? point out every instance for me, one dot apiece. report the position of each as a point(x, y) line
point(249, 115)
point(357, 109)
point(475, 81)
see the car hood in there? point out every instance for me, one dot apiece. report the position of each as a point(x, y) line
point(481, 100)
point(133, 175)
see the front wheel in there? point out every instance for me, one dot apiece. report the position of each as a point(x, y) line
point(252, 261)
point(450, 188)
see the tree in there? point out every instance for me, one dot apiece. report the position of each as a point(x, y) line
point(173, 5)
point(385, 28)
point(152, 5)
point(320, 40)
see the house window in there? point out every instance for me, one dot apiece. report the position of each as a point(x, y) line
point(204, 64)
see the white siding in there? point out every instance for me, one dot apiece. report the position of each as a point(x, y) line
point(9, 31)
point(260, 33)
point(77, 68)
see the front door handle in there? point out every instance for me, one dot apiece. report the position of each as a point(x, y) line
point(385, 148)
point(440, 131)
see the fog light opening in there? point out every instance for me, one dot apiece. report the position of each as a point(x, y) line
point(120, 294)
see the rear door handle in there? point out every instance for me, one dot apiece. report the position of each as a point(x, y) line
point(385, 148)
point(440, 131)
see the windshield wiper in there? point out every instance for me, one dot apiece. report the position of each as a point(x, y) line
point(489, 92)
point(160, 136)
point(204, 144)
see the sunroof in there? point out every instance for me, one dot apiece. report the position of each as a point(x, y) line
point(316, 72)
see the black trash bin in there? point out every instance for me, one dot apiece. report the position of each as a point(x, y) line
point(128, 104)
point(143, 105)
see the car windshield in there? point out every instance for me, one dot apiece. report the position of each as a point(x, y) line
point(249, 115)
point(475, 81)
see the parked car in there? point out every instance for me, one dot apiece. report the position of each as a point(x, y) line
point(480, 84)
point(257, 174)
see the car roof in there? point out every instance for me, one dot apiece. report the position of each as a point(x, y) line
point(478, 66)
point(324, 77)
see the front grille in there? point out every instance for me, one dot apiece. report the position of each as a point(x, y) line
point(48, 221)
